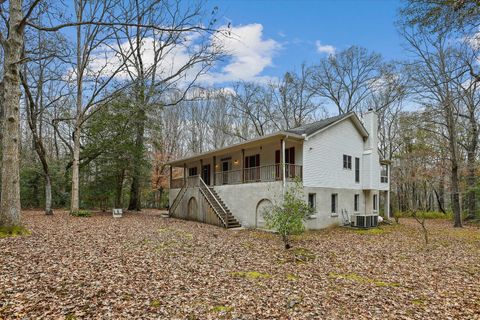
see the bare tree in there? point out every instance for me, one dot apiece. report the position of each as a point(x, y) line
point(468, 92)
point(346, 78)
point(432, 75)
point(293, 100)
point(443, 15)
point(12, 44)
point(158, 77)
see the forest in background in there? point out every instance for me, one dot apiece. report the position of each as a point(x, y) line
point(103, 104)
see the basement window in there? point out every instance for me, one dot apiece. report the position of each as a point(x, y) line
point(356, 203)
point(312, 201)
point(334, 203)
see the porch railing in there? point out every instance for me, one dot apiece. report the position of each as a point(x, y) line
point(265, 173)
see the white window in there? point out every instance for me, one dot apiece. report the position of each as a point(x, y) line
point(375, 204)
point(312, 201)
point(357, 170)
point(356, 203)
point(334, 202)
point(347, 162)
point(384, 174)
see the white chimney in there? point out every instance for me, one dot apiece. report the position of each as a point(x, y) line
point(370, 121)
point(371, 160)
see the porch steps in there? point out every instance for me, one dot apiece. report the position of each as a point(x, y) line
point(220, 206)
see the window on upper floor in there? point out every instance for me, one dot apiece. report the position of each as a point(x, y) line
point(357, 170)
point(384, 174)
point(347, 162)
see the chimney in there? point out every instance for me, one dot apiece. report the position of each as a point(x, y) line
point(370, 121)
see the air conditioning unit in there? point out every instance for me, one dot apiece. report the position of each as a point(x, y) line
point(365, 221)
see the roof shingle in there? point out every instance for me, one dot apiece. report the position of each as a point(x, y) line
point(313, 127)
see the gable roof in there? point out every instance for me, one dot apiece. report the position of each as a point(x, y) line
point(311, 128)
point(298, 133)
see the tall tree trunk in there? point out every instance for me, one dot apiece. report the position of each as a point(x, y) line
point(135, 199)
point(453, 146)
point(2, 118)
point(75, 199)
point(38, 145)
point(48, 195)
point(119, 188)
point(10, 207)
point(472, 166)
point(75, 196)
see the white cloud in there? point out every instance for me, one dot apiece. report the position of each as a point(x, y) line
point(248, 55)
point(324, 48)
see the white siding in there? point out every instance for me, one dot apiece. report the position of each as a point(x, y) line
point(323, 157)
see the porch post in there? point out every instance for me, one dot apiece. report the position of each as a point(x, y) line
point(184, 174)
point(243, 165)
point(388, 194)
point(171, 176)
point(201, 168)
point(214, 170)
point(282, 159)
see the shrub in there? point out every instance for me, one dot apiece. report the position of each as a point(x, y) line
point(287, 218)
point(426, 215)
point(81, 213)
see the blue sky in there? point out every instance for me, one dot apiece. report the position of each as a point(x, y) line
point(288, 32)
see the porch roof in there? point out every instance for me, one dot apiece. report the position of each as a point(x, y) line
point(239, 146)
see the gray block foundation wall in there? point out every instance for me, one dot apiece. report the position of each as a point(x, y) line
point(248, 201)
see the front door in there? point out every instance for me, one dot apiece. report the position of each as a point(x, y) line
point(206, 174)
point(225, 168)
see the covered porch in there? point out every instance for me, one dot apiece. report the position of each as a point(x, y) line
point(271, 158)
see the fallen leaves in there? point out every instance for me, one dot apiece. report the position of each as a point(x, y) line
point(149, 267)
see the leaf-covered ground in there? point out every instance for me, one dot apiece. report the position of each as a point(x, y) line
point(149, 267)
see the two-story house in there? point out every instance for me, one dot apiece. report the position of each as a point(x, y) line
point(336, 159)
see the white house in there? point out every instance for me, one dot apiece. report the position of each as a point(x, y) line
point(336, 159)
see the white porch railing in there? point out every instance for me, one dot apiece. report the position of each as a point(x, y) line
point(266, 173)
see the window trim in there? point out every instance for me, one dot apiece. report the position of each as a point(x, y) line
point(357, 170)
point(384, 173)
point(193, 169)
point(314, 206)
point(334, 204)
point(347, 162)
point(356, 203)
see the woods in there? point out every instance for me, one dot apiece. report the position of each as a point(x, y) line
point(98, 96)
point(214, 159)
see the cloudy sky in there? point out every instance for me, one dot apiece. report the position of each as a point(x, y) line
point(279, 35)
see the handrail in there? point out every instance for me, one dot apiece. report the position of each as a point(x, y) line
point(177, 199)
point(203, 185)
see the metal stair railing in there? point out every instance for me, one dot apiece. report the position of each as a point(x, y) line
point(177, 200)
